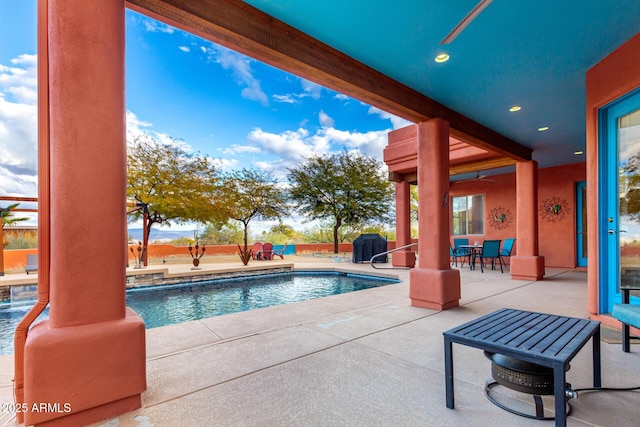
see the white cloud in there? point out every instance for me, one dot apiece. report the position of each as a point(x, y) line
point(342, 97)
point(137, 128)
point(370, 143)
point(240, 66)
point(287, 99)
point(241, 149)
point(292, 147)
point(19, 127)
point(396, 122)
point(184, 48)
point(153, 26)
point(325, 119)
point(311, 89)
point(225, 164)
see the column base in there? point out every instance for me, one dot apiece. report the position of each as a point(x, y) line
point(403, 259)
point(84, 374)
point(527, 267)
point(434, 289)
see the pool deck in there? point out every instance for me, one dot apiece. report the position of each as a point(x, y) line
point(366, 358)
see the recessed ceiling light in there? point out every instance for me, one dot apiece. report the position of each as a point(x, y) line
point(543, 128)
point(515, 108)
point(442, 57)
point(577, 153)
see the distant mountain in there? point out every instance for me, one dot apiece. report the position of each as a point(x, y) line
point(160, 235)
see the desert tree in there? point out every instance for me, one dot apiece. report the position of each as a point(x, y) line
point(346, 189)
point(173, 185)
point(254, 194)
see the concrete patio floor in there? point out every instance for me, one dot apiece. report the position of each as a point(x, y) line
point(366, 358)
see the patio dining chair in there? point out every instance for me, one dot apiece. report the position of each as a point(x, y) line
point(507, 247)
point(460, 253)
point(491, 251)
point(454, 256)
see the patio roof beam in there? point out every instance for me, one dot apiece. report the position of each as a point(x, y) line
point(243, 28)
point(412, 177)
point(481, 165)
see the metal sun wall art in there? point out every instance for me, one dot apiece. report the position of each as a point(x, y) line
point(499, 218)
point(553, 209)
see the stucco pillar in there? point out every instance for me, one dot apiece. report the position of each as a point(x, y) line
point(527, 264)
point(433, 284)
point(406, 257)
point(88, 359)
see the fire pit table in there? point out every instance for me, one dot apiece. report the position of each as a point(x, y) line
point(541, 339)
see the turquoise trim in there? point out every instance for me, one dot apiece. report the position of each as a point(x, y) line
point(609, 240)
point(581, 259)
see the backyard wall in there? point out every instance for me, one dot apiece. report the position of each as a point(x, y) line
point(17, 258)
point(557, 232)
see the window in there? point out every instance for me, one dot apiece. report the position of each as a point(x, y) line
point(468, 215)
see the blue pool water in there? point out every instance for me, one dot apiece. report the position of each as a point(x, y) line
point(167, 305)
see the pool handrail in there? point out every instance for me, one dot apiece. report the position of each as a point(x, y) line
point(388, 252)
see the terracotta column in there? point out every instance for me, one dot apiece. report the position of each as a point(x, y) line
point(406, 257)
point(433, 284)
point(89, 357)
point(527, 264)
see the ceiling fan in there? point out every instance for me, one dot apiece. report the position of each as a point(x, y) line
point(478, 177)
point(466, 21)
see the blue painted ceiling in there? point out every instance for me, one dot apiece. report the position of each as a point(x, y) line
point(529, 53)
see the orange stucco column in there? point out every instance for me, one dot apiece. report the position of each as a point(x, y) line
point(433, 284)
point(407, 257)
point(88, 360)
point(527, 264)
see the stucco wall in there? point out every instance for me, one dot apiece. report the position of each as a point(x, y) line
point(557, 233)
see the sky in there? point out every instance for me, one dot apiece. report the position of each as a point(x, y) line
point(211, 100)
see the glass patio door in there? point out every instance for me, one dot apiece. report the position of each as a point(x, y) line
point(620, 226)
point(581, 224)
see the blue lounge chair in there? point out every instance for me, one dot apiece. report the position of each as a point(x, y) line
point(32, 264)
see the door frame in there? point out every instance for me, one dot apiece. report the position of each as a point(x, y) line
point(608, 209)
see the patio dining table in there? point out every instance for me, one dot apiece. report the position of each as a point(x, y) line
point(474, 252)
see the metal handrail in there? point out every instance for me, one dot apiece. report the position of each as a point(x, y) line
point(388, 252)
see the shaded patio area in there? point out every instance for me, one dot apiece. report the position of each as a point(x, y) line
point(364, 358)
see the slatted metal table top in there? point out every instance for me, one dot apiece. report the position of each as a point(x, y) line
point(535, 337)
point(543, 339)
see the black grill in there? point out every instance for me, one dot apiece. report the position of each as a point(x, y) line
point(368, 245)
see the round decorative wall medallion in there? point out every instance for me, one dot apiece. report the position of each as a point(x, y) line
point(499, 218)
point(554, 209)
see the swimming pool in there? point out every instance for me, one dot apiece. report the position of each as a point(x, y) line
point(170, 304)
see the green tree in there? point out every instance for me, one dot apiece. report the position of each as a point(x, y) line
point(630, 188)
point(252, 194)
point(226, 235)
point(175, 186)
point(279, 234)
point(347, 188)
point(9, 218)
